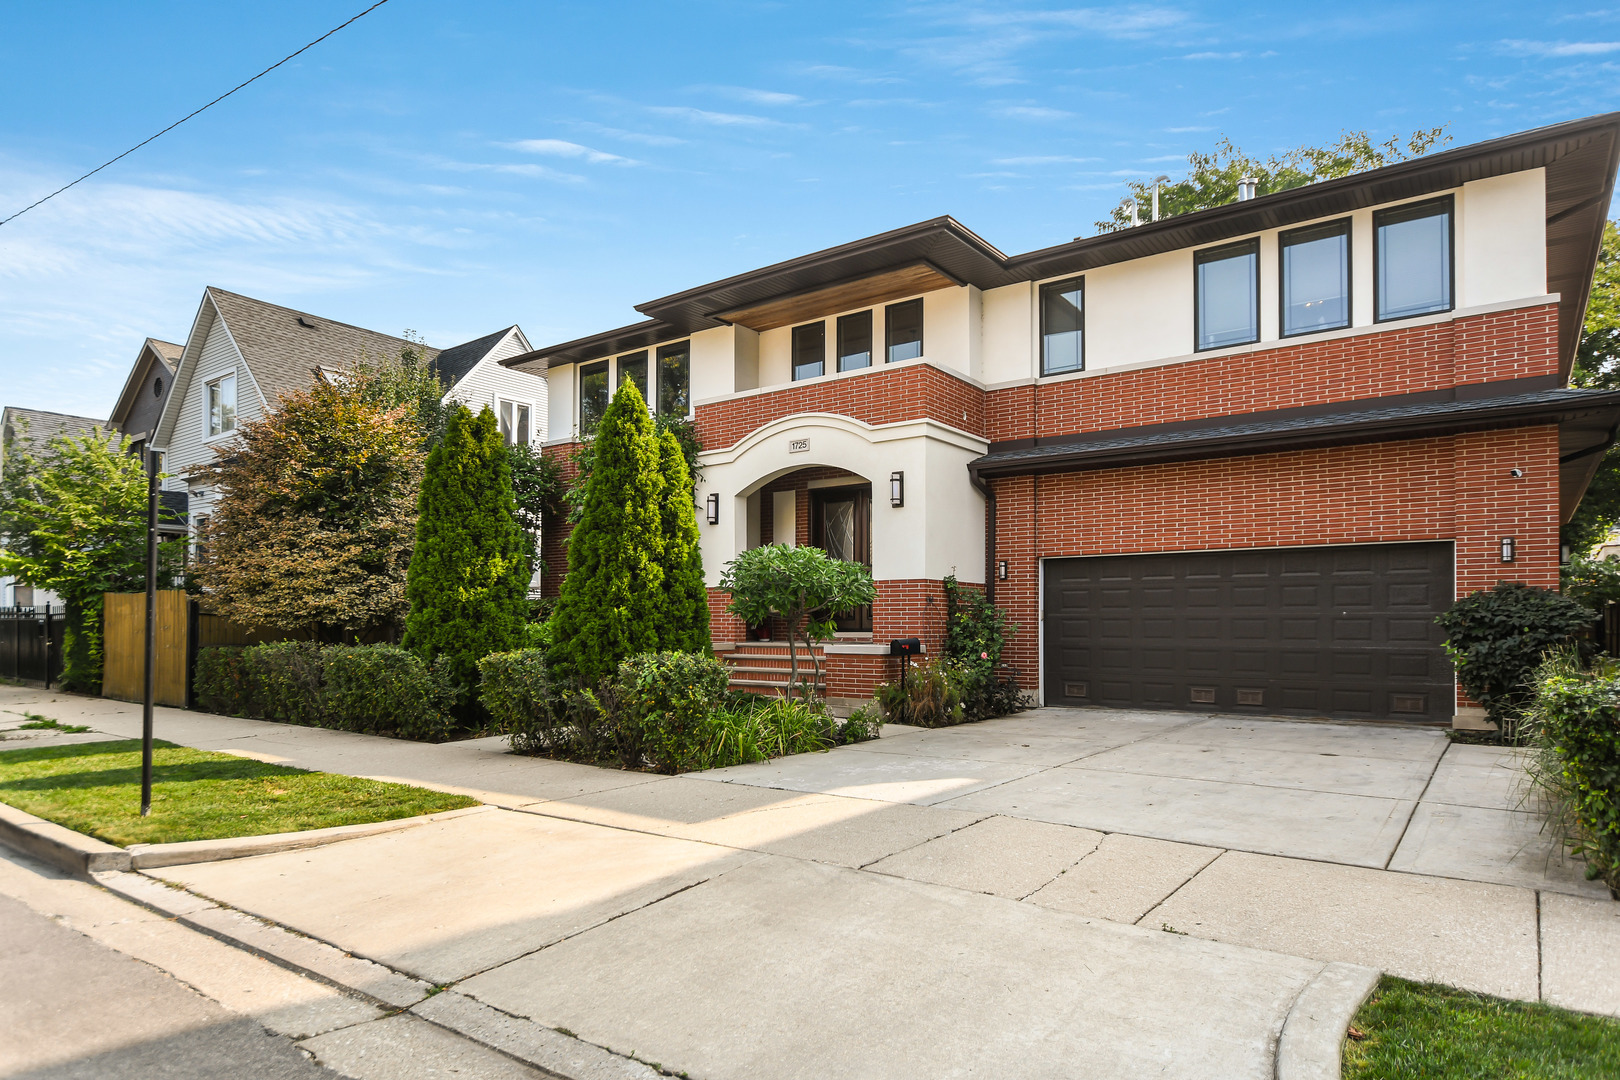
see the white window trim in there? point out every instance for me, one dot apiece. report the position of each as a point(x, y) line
point(212, 438)
point(501, 399)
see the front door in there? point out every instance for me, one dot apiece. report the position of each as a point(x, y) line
point(841, 525)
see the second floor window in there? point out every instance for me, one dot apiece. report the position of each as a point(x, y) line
point(855, 341)
point(222, 405)
point(1315, 278)
point(674, 380)
point(809, 351)
point(1063, 326)
point(1412, 250)
point(1226, 283)
point(593, 395)
point(514, 423)
point(633, 368)
point(903, 330)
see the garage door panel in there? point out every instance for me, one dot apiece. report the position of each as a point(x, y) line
point(1345, 631)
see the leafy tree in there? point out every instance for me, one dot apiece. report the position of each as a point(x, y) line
point(469, 572)
point(610, 605)
point(1597, 366)
point(406, 380)
point(537, 489)
point(1588, 580)
point(686, 599)
point(1212, 178)
point(315, 517)
point(803, 587)
point(74, 522)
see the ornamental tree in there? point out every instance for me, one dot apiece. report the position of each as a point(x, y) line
point(468, 581)
point(315, 515)
point(686, 599)
point(610, 606)
point(803, 586)
point(73, 520)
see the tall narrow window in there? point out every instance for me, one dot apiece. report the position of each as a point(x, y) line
point(633, 368)
point(514, 423)
point(593, 395)
point(809, 351)
point(675, 380)
point(1063, 326)
point(1226, 282)
point(855, 341)
point(1412, 249)
point(222, 405)
point(903, 330)
point(1315, 278)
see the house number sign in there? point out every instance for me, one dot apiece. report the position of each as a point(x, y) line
point(798, 446)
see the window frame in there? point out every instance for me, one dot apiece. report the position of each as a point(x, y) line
point(820, 325)
point(1040, 299)
point(922, 328)
point(209, 434)
point(1344, 225)
point(655, 375)
point(647, 375)
point(1449, 203)
point(1219, 253)
point(838, 340)
point(580, 373)
point(516, 403)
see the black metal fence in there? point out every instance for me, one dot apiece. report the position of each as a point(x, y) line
point(31, 643)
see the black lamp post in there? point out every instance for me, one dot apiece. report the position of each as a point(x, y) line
point(151, 628)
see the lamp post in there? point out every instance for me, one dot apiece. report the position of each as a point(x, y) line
point(151, 628)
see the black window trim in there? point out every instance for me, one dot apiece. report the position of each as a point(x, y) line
point(1449, 203)
point(645, 355)
point(1343, 225)
point(1216, 254)
point(922, 329)
point(793, 351)
point(655, 381)
point(583, 371)
point(1055, 286)
point(871, 343)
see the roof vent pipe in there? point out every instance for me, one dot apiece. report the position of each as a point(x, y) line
point(1131, 204)
point(1157, 180)
point(1246, 188)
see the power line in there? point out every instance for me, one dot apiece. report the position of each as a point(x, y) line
point(189, 115)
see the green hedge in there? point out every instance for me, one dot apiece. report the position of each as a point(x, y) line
point(379, 689)
point(516, 689)
point(670, 698)
point(1575, 725)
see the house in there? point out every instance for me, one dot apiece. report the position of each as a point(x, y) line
point(1235, 460)
point(136, 413)
point(243, 355)
point(33, 430)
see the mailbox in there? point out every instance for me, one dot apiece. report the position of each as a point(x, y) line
point(906, 646)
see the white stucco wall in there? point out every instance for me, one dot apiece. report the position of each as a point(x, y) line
point(1501, 238)
point(562, 402)
point(1007, 333)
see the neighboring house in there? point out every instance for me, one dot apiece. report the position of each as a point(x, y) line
point(34, 430)
point(243, 355)
point(139, 406)
point(1235, 460)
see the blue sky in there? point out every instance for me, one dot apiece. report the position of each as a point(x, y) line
point(453, 168)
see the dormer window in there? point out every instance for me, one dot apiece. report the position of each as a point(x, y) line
point(1226, 287)
point(903, 330)
point(1412, 252)
point(1315, 278)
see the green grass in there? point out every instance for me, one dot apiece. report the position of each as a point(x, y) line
point(1415, 1030)
point(95, 788)
point(36, 722)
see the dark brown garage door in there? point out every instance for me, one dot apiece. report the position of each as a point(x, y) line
point(1328, 631)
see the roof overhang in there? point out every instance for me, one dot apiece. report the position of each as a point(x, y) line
point(1581, 158)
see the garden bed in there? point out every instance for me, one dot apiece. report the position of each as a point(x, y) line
point(94, 788)
point(1410, 1029)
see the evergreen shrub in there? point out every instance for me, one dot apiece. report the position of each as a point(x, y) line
point(685, 611)
point(285, 682)
point(221, 682)
point(515, 688)
point(671, 698)
point(1575, 725)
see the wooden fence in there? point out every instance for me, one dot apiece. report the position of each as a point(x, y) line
point(181, 630)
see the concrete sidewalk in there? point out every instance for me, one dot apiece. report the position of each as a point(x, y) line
point(874, 911)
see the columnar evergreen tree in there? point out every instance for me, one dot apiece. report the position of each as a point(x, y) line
point(686, 600)
point(469, 575)
point(611, 600)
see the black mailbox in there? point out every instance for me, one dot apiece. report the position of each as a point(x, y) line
point(906, 646)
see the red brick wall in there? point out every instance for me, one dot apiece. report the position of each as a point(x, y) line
point(1482, 348)
point(554, 528)
point(884, 396)
point(1452, 488)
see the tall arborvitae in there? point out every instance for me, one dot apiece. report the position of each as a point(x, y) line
point(686, 601)
point(469, 577)
point(611, 601)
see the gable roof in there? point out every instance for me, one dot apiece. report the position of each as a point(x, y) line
point(453, 364)
point(152, 352)
point(1580, 156)
point(39, 427)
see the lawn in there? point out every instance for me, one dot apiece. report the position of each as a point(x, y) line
point(1434, 1032)
point(95, 788)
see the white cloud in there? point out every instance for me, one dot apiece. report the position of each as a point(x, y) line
point(757, 97)
point(642, 137)
point(565, 149)
point(1186, 130)
point(714, 119)
point(1050, 159)
point(1032, 112)
point(1561, 48)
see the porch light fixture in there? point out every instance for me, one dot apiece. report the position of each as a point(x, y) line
point(897, 489)
point(1001, 570)
point(714, 507)
point(1507, 549)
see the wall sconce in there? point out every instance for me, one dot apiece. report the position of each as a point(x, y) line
point(1001, 570)
point(1507, 549)
point(897, 489)
point(714, 507)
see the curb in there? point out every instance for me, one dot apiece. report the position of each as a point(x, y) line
point(1309, 1047)
point(83, 855)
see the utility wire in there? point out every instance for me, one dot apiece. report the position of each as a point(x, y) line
point(189, 115)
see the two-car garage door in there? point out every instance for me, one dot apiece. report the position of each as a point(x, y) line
point(1328, 631)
